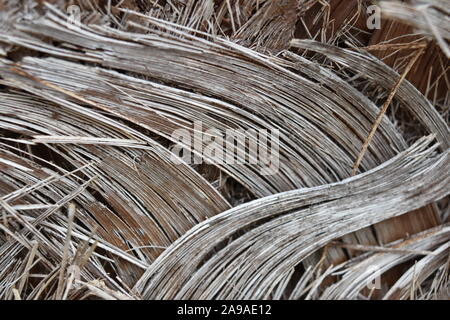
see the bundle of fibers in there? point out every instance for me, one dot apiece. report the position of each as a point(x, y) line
point(98, 202)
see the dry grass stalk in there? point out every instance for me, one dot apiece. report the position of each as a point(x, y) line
point(383, 111)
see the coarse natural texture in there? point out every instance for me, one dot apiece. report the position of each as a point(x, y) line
point(95, 202)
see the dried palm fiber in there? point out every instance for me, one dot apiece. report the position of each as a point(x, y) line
point(247, 175)
point(168, 220)
point(394, 229)
point(345, 22)
point(262, 256)
point(101, 102)
point(357, 274)
point(383, 43)
point(429, 76)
